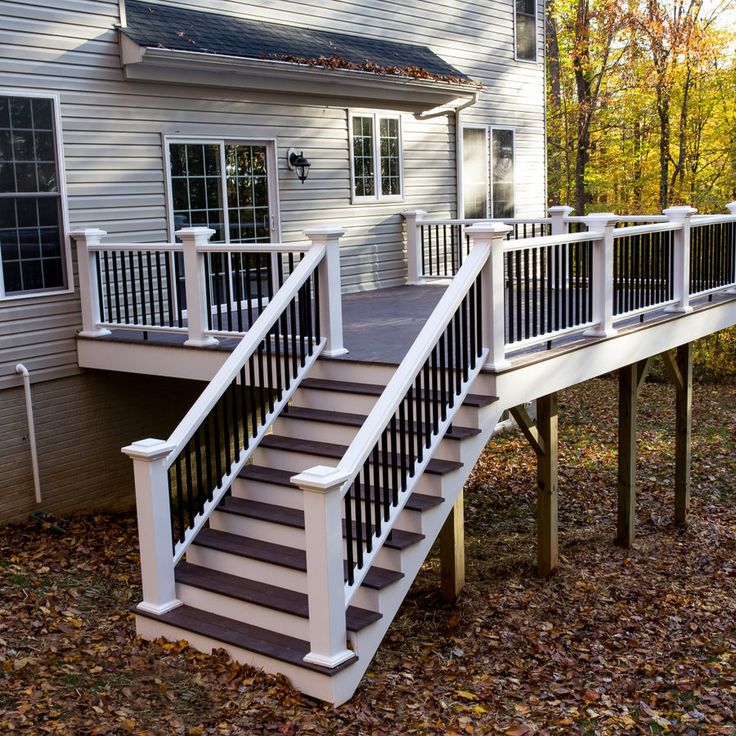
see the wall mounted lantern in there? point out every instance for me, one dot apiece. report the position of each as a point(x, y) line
point(296, 162)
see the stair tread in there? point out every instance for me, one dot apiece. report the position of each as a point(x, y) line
point(253, 638)
point(278, 554)
point(263, 474)
point(263, 594)
point(373, 389)
point(295, 518)
point(357, 420)
point(328, 449)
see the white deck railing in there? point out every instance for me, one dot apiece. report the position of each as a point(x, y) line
point(194, 287)
point(181, 480)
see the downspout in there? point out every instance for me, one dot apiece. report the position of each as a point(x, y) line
point(23, 371)
point(458, 145)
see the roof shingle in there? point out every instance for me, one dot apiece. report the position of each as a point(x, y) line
point(165, 26)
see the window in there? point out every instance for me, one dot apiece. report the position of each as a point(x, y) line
point(502, 172)
point(221, 185)
point(488, 181)
point(525, 25)
point(475, 173)
point(227, 186)
point(376, 156)
point(32, 241)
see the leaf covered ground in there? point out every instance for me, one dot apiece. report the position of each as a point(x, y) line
point(615, 642)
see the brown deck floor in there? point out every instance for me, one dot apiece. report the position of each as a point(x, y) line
point(379, 326)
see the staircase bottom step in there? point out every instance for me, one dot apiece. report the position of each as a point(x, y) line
point(244, 636)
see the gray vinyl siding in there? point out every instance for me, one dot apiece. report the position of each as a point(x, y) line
point(113, 129)
point(81, 424)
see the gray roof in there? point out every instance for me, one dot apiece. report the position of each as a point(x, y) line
point(168, 27)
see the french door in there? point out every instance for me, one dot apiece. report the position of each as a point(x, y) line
point(230, 187)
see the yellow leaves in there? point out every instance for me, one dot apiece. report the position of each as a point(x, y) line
point(466, 695)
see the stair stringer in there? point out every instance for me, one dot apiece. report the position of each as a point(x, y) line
point(366, 642)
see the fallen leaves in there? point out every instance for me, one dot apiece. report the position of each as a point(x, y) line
point(616, 642)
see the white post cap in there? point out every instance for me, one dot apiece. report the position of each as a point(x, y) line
point(324, 231)
point(205, 231)
point(679, 213)
point(148, 449)
point(731, 207)
point(560, 209)
point(88, 233)
point(319, 478)
point(494, 229)
point(414, 213)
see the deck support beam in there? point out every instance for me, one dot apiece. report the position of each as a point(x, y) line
point(543, 439)
point(630, 380)
point(683, 361)
point(452, 553)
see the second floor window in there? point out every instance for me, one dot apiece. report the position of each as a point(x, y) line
point(376, 164)
point(525, 19)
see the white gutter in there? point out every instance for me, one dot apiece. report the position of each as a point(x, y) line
point(23, 371)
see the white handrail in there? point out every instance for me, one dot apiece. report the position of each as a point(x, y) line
point(502, 220)
point(385, 408)
point(245, 348)
point(544, 241)
point(655, 227)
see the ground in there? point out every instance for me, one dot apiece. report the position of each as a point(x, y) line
point(615, 642)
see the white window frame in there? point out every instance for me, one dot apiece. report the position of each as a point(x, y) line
point(61, 181)
point(273, 178)
point(488, 164)
point(511, 130)
point(536, 59)
point(376, 118)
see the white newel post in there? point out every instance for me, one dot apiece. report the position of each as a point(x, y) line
point(558, 214)
point(195, 284)
point(492, 235)
point(681, 258)
point(325, 573)
point(89, 281)
point(731, 207)
point(330, 291)
point(154, 524)
point(600, 226)
point(414, 265)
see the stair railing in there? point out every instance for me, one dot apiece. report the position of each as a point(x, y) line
point(181, 480)
point(388, 455)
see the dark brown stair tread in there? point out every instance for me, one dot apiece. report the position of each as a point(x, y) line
point(254, 639)
point(262, 594)
point(416, 502)
point(372, 389)
point(278, 554)
point(295, 518)
point(357, 420)
point(328, 449)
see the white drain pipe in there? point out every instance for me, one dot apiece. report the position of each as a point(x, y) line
point(23, 371)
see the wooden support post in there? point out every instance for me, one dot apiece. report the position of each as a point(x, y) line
point(452, 553)
point(547, 484)
point(628, 391)
point(683, 429)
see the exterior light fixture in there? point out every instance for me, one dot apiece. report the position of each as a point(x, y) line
point(298, 163)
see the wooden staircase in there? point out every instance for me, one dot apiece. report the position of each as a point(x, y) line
point(243, 582)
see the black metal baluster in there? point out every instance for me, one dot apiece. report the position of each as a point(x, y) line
point(190, 486)
point(410, 428)
point(386, 501)
point(179, 500)
point(418, 409)
point(403, 449)
point(511, 305)
point(108, 289)
point(377, 516)
point(124, 287)
point(201, 493)
point(349, 542)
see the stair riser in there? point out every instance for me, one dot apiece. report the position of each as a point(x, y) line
point(341, 434)
point(312, 398)
point(263, 572)
point(293, 461)
point(249, 613)
point(290, 498)
point(340, 370)
point(467, 416)
point(289, 536)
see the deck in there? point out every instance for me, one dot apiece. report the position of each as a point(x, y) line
point(380, 325)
